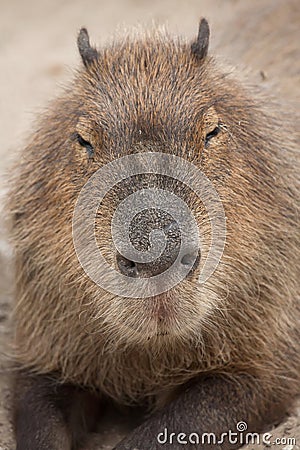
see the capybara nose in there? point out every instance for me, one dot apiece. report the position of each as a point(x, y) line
point(134, 269)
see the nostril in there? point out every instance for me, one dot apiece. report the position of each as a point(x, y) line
point(126, 266)
point(188, 260)
point(191, 260)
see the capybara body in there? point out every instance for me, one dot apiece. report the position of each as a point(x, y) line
point(202, 356)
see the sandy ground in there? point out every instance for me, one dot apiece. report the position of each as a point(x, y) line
point(38, 52)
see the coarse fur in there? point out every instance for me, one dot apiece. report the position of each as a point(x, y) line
point(151, 93)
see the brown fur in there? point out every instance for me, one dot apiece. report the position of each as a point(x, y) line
point(150, 93)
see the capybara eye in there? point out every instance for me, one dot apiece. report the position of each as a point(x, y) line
point(211, 134)
point(86, 144)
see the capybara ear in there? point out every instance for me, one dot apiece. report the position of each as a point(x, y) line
point(87, 53)
point(200, 47)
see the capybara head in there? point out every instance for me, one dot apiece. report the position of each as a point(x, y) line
point(155, 95)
